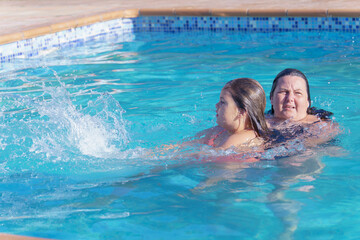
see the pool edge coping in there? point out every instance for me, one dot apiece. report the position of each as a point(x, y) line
point(133, 13)
point(6, 236)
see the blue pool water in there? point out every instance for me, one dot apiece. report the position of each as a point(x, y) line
point(81, 130)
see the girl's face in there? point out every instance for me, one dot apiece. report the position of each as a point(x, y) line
point(227, 113)
point(290, 98)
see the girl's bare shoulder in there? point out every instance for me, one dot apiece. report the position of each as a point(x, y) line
point(241, 139)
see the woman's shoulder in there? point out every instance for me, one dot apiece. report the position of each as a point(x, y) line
point(310, 119)
point(326, 125)
point(273, 122)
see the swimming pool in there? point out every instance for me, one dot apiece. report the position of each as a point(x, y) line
point(80, 130)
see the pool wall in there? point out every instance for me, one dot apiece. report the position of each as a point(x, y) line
point(124, 24)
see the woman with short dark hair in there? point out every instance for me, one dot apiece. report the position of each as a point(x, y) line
point(291, 105)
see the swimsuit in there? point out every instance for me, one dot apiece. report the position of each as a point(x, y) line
point(213, 138)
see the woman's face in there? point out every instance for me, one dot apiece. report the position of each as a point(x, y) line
point(227, 113)
point(290, 98)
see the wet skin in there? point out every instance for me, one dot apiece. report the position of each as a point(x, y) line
point(227, 113)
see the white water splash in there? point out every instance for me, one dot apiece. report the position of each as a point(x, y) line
point(98, 130)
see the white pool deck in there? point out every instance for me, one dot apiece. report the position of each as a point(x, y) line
point(22, 15)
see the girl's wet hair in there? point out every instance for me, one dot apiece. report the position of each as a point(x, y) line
point(322, 114)
point(249, 95)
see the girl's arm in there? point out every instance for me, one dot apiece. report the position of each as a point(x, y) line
point(201, 137)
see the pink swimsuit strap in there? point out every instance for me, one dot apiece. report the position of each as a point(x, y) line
point(211, 141)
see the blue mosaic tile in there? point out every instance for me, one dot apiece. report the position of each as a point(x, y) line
point(120, 28)
point(125, 30)
point(244, 24)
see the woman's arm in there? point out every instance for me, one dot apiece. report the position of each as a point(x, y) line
point(321, 132)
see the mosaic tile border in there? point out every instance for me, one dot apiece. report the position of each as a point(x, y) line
point(122, 29)
point(246, 24)
point(125, 29)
